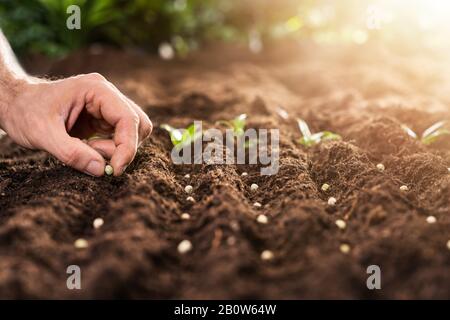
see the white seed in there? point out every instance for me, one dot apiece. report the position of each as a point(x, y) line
point(244, 174)
point(331, 201)
point(109, 170)
point(262, 219)
point(380, 167)
point(431, 219)
point(404, 188)
point(341, 224)
point(267, 255)
point(257, 205)
point(254, 187)
point(448, 169)
point(98, 222)
point(185, 216)
point(190, 199)
point(345, 248)
point(325, 187)
point(80, 244)
point(187, 176)
point(184, 246)
point(448, 244)
point(188, 189)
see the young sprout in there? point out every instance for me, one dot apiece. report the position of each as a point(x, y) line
point(109, 170)
point(430, 134)
point(309, 139)
point(182, 137)
point(237, 124)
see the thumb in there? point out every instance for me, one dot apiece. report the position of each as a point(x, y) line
point(76, 154)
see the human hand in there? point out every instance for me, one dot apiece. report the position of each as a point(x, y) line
point(55, 116)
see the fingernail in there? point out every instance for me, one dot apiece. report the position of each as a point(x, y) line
point(95, 168)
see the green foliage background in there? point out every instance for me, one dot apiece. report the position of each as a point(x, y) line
point(39, 26)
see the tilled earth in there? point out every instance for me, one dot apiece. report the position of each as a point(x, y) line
point(364, 94)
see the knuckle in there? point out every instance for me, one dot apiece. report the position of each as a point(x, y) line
point(96, 76)
point(71, 156)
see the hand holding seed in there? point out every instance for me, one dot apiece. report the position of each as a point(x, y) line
point(55, 116)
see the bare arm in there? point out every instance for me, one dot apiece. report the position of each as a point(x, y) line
point(55, 115)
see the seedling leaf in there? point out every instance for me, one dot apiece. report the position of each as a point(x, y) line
point(237, 124)
point(434, 128)
point(309, 139)
point(409, 131)
point(304, 129)
point(183, 137)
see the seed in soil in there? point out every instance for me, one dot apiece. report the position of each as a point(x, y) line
point(98, 222)
point(448, 244)
point(380, 167)
point(187, 176)
point(325, 187)
point(331, 201)
point(80, 243)
point(109, 170)
point(184, 246)
point(188, 189)
point(257, 205)
point(254, 187)
point(404, 188)
point(341, 224)
point(431, 219)
point(185, 216)
point(244, 174)
point(262, 219)
point(448, 169)
point(345, 248)
point(267, 255)
point(190, 199)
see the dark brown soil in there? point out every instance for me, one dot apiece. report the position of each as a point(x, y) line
point(363, 93)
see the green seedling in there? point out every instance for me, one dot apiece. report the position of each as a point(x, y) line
point(309, 139)
point(182, 137)
point(430, 135)
point(237, 124)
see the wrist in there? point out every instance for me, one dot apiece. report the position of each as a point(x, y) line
point(10, 90)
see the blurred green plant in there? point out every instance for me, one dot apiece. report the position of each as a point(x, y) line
point(430, 134)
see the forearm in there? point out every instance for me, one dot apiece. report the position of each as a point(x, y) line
point(12, 77)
